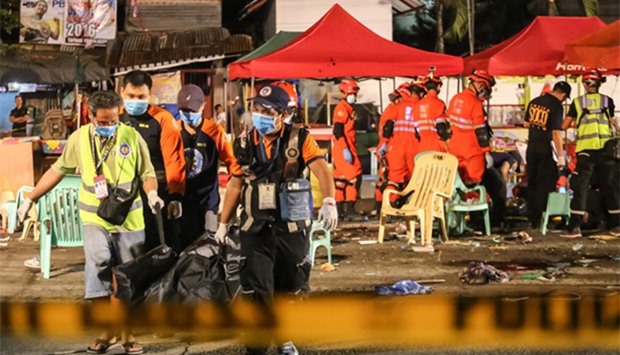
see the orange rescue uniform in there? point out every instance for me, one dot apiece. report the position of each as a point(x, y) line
point(466, 114)
point(390, 113)
point(346, 176)
point(403, 144)
point(425, 113)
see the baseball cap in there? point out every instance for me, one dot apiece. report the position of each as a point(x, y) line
point(190, 97)
point(564, 87)
point(272, 97)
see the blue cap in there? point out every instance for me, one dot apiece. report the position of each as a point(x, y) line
point(272, 97)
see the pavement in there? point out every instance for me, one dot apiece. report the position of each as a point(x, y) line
point(546, 266)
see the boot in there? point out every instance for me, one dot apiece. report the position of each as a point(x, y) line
point(350, 213)
point(341, 210)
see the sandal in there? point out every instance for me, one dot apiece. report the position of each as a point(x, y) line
point(133, 348)
point(101, 346)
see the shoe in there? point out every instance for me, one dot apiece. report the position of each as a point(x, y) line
point(571, 233)
point(34, 263)
point(615, 232)
point(288, 348)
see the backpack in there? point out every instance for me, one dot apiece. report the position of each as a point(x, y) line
point(54, 126)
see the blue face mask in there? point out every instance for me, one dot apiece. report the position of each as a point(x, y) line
point(190, 118)
point(264, 124)
point(106, 131)
point(136, 107)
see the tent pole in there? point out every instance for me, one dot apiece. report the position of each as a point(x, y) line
point(329, 114)
point(381, 94)
point(77, 105)
point(252, 95)
point(306, 113)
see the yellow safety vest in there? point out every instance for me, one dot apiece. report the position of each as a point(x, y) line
point(593, 125)
point(126, 156)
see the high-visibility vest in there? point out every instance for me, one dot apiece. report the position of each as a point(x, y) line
point(593, 126)
point(126, 156)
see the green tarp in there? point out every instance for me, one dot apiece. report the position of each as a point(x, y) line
point(276, 42)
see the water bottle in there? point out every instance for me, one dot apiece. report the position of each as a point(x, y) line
point(562, 190)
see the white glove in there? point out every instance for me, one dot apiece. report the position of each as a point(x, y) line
point(328, 214)
point(23, 209)
point(175, 210)
point(561, 161)
point(489, 160)
point(222, 232)
point(154, 200)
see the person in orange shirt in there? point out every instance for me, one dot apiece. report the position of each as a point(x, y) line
point(390, 113)
point(161, 133)
point(470, 141)
point(347, 166)
point(205, 144)
point(403, 138)
point(430, 118)
point(274, 227)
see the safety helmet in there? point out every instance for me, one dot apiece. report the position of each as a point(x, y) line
point(290, 90)
point(348, 86)
point(593, 78)
point(404, 90)
point(482, 76)
point(417, 86)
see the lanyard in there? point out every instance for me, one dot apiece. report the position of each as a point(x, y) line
point(262, 154)
point(107, 146)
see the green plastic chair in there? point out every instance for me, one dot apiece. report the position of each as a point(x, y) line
point(60, 219)
point(318, 241)
point(558, 204)
point(457, 208)
point(12, 207)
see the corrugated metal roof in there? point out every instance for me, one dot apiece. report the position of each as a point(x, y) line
point(143, 48)
point(405, 6)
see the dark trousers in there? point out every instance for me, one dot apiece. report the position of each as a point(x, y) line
point(274, 261)
point(607, 171)
point(542, 176)
point(193, 222)
point(496, 187)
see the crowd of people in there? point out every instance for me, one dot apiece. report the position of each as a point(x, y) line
point(130, 145)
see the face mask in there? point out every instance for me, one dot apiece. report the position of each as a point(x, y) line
point(136, 107)
point(351, 99)
point(106, 131)
point(191, 118)
point(484, 93)
point(264, 124)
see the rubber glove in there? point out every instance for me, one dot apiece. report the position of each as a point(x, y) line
point(489, 160)
point(175, 210)
point(154, 200)
point(23, 209)
point(348, 157)
point(383, 149)
point(222, 232)
point(328, 214)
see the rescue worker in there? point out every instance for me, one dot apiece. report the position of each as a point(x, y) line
point(205, 144)
point(593, 115)
point(471, 138)
point(429, 116)
point(390, 113)
point(106, 153)
point(543, 118)
point(158, 128)
point(290, 114)
point(347, 165)
point(275, 204)
point(402, 138)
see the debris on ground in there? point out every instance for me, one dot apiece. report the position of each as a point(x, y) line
point(498, 247)
point(367, 242)
point(602, 237)
point(586, 262)
point(479, 273)
point(404, 287)
point(539, 277)
point(421, 248)
point(577, 247)
point(5, 239)
point(327, 267)
point(521, 237)
point(463, 243)
point(431, 281)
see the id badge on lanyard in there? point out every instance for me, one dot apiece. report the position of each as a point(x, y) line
point(267, 196)
point(101, 187)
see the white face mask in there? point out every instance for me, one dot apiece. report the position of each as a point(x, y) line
point(351, 99)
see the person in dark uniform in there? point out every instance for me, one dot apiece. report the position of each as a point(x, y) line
point(19, 116)
point(205, 144)
point(161, 133)
point(543, 118)
point(593, 115)
point(276, 208)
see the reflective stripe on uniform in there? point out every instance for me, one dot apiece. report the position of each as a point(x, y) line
point(593, 125)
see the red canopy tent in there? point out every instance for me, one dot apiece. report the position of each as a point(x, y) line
point(600, 49)
point(337, 46)
point(536, 50)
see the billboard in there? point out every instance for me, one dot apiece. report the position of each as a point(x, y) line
point(72, 22)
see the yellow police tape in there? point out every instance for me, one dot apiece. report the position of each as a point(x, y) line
point(428, 321)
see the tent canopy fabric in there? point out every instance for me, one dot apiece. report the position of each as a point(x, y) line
point(536, 50)
point(337, 46)
point(600, 49)
point(276, 42)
